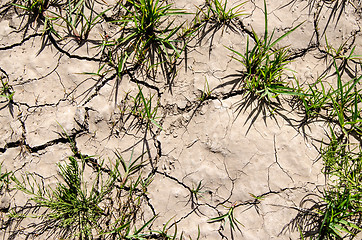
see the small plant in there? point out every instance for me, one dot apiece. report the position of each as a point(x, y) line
point(147, 35)
point(265, 65)
point(80, 18)
point(256, 198)
point(206, 93)
point(211, 17)
point(195, 194)
point(340, 53)
point(6, 90)
point(218, 12)
point(143, 109)
point(345, 100)
point(229, 216)
point(315, 98)
point(163, 233)
point(37, 12)
point(35, 7)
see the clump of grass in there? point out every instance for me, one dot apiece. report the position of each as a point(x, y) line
point(79, 19)
point(345, 100)
point(36, 11)
point(343, 195)
point(342, 159)
point(340, 104)
point(265, 65)
point(219, 13)
point(211, 17)
point(36, 8)
point(336, 214)
point(80, 209)
point(340, 214)
point(148, 35)
point(71, 206)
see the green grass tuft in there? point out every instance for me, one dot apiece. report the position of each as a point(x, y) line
point(265, 65)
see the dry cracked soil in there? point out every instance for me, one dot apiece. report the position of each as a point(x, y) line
point(259, 160)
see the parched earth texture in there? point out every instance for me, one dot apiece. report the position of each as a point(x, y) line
point(235, 146)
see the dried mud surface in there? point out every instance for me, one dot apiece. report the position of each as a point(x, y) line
point(235, 146)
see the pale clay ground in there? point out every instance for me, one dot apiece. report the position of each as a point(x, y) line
point(234, 153)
